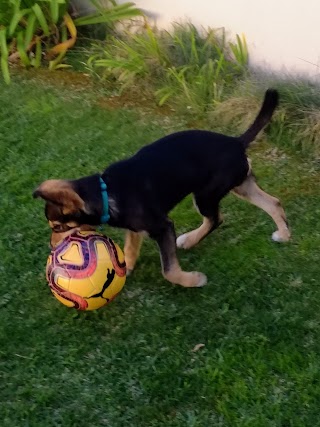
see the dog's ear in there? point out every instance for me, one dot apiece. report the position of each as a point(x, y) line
point(61, 193)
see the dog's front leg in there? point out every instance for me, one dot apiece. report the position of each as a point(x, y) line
point(171, 270)
point(132, 247)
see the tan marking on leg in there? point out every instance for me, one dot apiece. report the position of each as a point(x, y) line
point(250, 191)
point(191, 279)
point(165, 236)
point(132, 247)
point(250, 166)
point(187, 240)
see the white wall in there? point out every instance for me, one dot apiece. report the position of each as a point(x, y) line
point(281, 34)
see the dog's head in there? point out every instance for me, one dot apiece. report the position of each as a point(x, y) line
point(69, 206)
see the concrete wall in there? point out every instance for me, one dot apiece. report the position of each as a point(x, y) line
point(281, 34)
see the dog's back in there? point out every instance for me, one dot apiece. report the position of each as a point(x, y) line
point(161, 174)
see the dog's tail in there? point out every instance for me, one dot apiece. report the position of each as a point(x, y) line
point(271, 100)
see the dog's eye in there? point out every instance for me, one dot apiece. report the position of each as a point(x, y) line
point(60, 227)
point(56, 226)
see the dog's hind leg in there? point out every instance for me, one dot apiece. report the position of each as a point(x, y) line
point(250, 191)
point(208, 206)
point(132, 245)
point(165, 236)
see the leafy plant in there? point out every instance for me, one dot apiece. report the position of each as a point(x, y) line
point(129, 57)
point(4, 56)
point(107, 14)
point(240, 51)
point(308, 133)
point(184, 65)
point(199, 86)
point(33, 30)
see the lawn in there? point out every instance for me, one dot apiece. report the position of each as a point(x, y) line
point(131, 363)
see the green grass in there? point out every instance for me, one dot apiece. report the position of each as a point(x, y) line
point(131, 363)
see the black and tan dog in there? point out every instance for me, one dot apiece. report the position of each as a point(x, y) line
point(138, 193)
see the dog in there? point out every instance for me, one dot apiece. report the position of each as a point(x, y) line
point(138, 193)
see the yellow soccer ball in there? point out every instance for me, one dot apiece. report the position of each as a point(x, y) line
point(86, 270)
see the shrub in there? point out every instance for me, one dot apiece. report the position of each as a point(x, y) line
point(35, 30)
point(296, 122)
point(181, 66)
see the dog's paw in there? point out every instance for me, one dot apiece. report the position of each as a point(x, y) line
point(193, 279)
point(187, 279)
point(181, 241)
point(201, 279)
point(129, 271)
point(184, 241)
point(281, 237)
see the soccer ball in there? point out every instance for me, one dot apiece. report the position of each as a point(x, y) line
point(86, 270)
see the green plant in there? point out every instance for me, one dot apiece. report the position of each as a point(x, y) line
point(4, 56)
point(200, 86)
point(184, 65)
point(240, 51)
point(308, 134)
point(188, 45)
point(33, 29)
point(108, 13)
point(129, 57)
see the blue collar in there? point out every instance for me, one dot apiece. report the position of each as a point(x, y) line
point(105, 203)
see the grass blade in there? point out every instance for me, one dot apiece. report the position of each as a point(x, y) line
point(124, 11)
point(194, 52)
point(16, 19)
point(41, 18)
point(54, 8)
point(3, 43)
point(4, 56)
point(240, 51)
point(5, 69)
point(38, 54)
point(22, 50)
point(54, 64)
point(30, 29)
point(164, 94)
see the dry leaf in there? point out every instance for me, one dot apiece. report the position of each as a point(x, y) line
point(197, 347)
